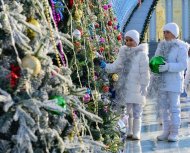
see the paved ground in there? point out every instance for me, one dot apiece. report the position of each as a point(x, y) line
point(151, 128)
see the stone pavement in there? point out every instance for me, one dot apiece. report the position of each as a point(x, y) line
point(151, 128)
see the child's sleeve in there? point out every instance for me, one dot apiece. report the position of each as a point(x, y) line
point(117, 64)
point(181, 63)
point(157, 52)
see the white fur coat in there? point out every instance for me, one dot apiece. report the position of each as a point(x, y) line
point(132, 67)
point(175, 53)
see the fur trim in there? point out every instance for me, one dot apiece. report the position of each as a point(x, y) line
point(142, 47)
point(165, 46)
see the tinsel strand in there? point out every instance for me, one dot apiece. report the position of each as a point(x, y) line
point(75, 61)
point(55, 18)
point(51, 32)
point(75, 124)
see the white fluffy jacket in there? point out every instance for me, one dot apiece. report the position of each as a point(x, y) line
point(175, 53)
point(132, 67)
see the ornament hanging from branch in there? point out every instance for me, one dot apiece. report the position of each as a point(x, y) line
point(58, 9)
point(14, 75)
point(30, 33)
point(32, 63)
point(70, 4)
point(76, 34)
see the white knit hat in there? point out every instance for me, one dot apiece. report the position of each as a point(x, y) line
point(134, 35)
point(173, 28)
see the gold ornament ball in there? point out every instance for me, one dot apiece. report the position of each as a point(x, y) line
point(107, 48)
point(96, 94)
point(32, 63)
point(112, 59)
point(115, 77)
point(30, 33)
point(78, 15)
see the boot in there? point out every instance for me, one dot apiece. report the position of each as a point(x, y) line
point(130, 129)
point(173, 136)
point(165, 134)
point(136, 129)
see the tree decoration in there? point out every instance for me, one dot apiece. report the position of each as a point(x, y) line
point(96, 94)
point(93, 18)
point(118, 26)
point(80, 29)
point(102, 40)
point(56, 105)
point(119, 37)
point(91, 29)
point(88, 91)
point(105, 7)
point(76, 34)
point(60, 101)
point(110, 23)
point(97, 25)
point(115, 27)
point(122, 126)
point(109, 5)
point(86, 98)
point(115, 77)
point(59, 9)
point(14, 75)
point(102, 49)
point(78, 15)
point(105, 88)
point(32, 63)
point(59, 54)
point(30, 33)
point(77, 45)
point(70, 4)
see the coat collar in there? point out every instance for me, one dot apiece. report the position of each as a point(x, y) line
point(142, 47)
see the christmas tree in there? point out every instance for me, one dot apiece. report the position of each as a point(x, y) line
point(94, 29)
point(41, 109)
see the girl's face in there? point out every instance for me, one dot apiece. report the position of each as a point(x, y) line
point(168, 35)
point(130, 42)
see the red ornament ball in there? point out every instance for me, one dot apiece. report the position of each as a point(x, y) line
point(119, 37)
point(102, 49)
point(109, 23)
point(97, 25)
point(105, 88)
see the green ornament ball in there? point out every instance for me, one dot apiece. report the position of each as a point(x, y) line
point(60, 101)
point(155, 62)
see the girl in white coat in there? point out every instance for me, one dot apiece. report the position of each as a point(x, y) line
point(132, 67)
point(171, 80)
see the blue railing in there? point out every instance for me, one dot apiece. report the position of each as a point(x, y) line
point(122, 9)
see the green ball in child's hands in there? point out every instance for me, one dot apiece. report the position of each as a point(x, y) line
point(155, 62)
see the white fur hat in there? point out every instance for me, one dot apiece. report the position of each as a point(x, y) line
point(134, 35)
point(173, 28)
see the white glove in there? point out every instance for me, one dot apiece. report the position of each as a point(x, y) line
point(164, 68)
point(143, 90)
